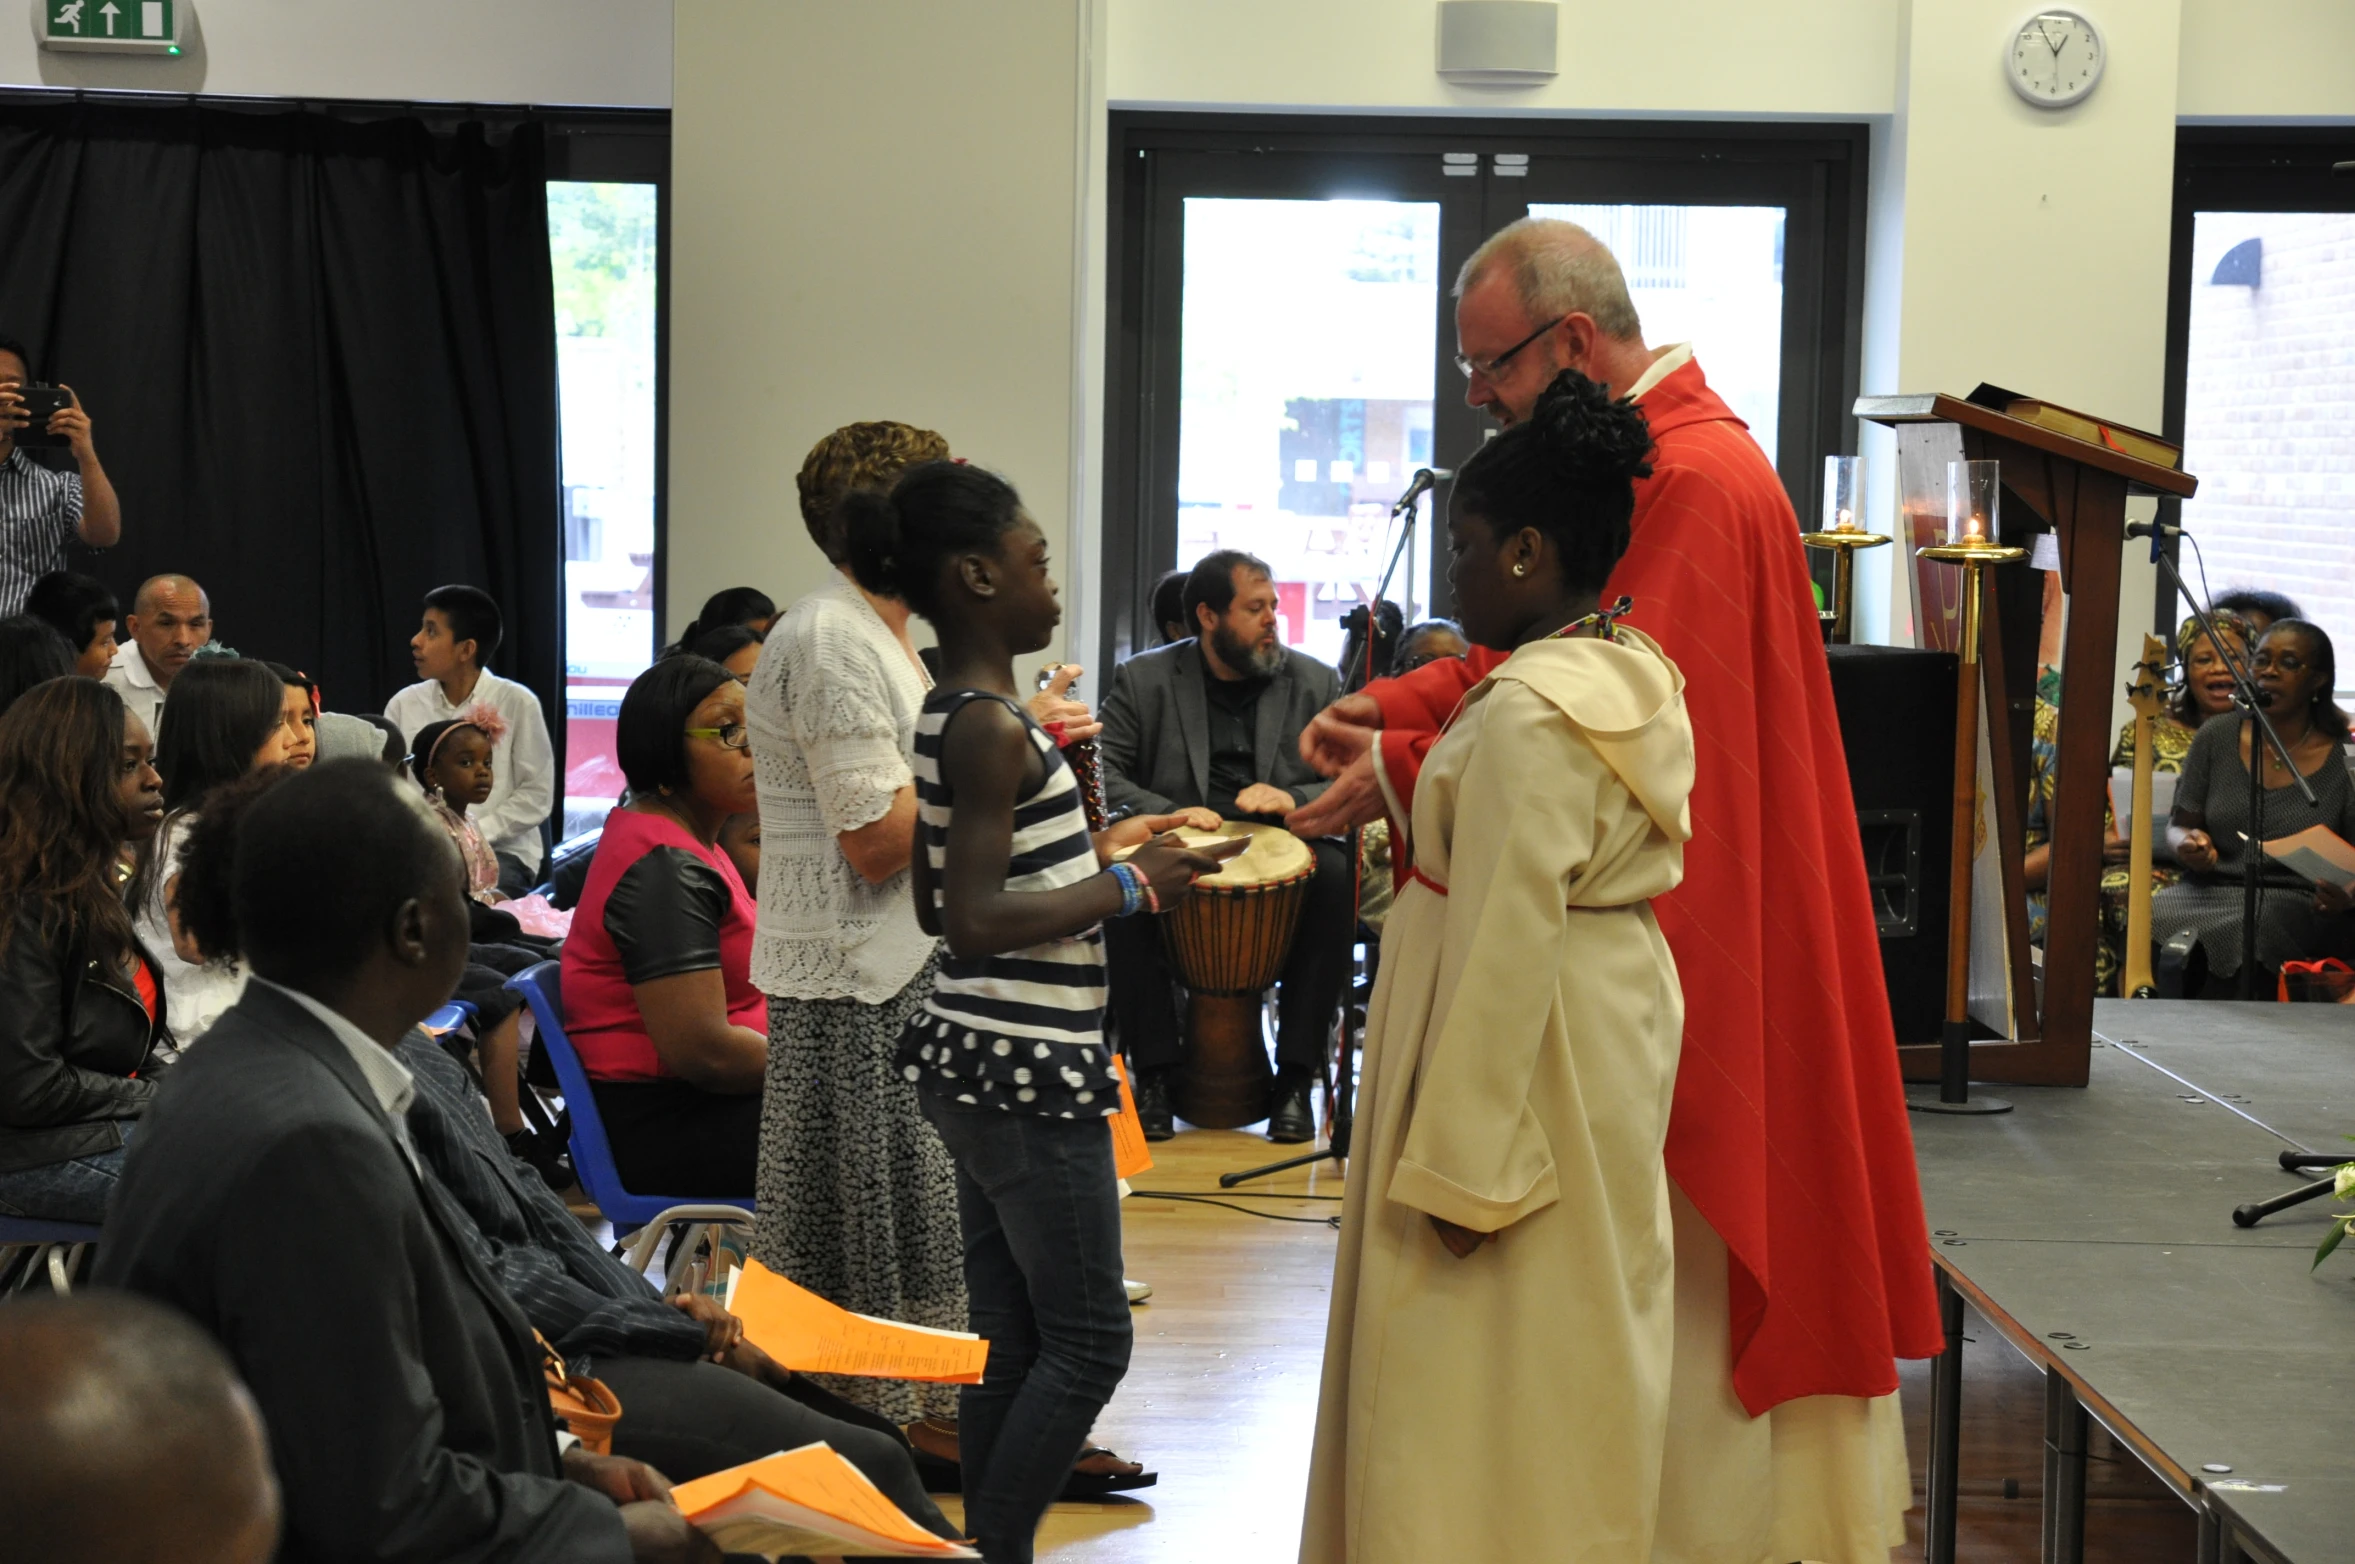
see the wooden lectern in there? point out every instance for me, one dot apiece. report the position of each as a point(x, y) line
point(2078, 490)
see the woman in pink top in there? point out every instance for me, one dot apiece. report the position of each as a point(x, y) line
point(658, 995)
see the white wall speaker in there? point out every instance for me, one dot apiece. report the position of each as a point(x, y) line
point(1497, 43)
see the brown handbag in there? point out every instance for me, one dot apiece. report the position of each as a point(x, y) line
point(583, 1405)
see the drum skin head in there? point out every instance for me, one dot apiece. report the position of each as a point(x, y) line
point(1274, 856)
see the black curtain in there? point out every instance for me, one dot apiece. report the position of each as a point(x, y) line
point(319, 358)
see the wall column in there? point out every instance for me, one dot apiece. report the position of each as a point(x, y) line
point(877, 212)
point(2023, 246)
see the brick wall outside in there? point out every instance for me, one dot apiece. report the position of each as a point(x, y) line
point(2269, 415)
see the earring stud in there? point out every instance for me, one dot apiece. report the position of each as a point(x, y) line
point(1520, 570)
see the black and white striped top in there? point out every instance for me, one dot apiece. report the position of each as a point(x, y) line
point(1022, 1031)
point(40, 512)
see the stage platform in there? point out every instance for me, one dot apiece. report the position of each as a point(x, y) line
point(2094, 1229)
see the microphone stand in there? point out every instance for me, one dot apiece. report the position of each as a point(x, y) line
point(2291, 1162)
point(2246, 696)
point(1341, 1093)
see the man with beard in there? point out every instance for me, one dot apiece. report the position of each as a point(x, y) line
point(1213, 724)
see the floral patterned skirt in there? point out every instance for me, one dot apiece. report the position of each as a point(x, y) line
point(858, 1198)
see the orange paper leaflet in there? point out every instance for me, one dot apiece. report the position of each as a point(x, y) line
point(804, 1332)
point(1131, 1155)
point(805, 1501)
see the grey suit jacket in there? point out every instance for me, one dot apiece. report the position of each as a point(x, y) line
point(1156, 740)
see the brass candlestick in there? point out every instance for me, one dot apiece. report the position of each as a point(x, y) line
point(1973, 556)
point(1843, 502)
point(1973, 493)
point(1843, 544)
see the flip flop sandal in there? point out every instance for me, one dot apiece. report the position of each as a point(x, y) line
point(1092, 1485)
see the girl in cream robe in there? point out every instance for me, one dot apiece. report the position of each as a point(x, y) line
point(1565, 1391)
point(1520, 1057)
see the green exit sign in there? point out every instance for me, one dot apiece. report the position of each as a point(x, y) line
point(123, 26)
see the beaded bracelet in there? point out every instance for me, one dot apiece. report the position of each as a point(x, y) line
point(1133, 889)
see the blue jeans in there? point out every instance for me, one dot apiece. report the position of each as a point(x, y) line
point(71, 1191)
point(1041, 1211)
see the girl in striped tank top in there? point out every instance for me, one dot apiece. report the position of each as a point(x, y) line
point(1008, 1056)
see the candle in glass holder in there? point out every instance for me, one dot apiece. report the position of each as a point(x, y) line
point(1842, 493)
point(1974, 492)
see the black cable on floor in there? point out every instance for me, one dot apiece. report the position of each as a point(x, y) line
point(1207, 1200)
point(1239, 1194)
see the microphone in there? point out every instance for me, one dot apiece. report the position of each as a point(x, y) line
point(1421, 485)
point(2156, 531)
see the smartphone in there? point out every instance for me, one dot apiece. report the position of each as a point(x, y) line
point(40, 402)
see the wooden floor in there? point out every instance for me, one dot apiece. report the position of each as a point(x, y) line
point(1221, 1396)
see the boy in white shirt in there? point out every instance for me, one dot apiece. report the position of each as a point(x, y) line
point(461, 629)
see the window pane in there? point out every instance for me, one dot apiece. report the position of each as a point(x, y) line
point(601, 239)
point(1305, 397)
point(1711, 276)
point(2268, 410)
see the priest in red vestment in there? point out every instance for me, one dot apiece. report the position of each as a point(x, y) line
point(1788, 1132)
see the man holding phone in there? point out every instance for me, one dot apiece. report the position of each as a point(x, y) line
point(41, 509)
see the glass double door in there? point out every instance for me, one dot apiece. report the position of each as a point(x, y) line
point(1295, 349)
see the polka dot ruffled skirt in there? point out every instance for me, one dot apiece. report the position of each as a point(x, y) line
point(1062, 1080)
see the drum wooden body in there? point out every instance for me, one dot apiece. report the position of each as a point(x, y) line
point(1227, 943)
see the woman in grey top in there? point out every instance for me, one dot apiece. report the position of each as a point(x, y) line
point(2297, 920)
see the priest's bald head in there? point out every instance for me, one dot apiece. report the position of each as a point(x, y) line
point(1539, 297)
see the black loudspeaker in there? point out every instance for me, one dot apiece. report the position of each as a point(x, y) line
point(1897, 725)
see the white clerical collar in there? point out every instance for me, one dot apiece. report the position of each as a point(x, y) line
point(1672, 358)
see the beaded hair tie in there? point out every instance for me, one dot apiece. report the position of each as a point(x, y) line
point(1604, 621)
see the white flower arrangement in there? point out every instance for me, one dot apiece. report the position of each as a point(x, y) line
point(2342, 1187)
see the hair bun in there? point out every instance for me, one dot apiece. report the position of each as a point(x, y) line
point(1586, 435)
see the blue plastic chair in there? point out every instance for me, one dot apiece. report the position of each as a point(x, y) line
point(647, 1216)
point(57, 1247)
point(450, 1017)
point(568, 867)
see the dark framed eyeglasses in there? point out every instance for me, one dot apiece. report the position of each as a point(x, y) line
point(1495, 366)
point(732, 735)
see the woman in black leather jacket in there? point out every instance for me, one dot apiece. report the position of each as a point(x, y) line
point(82, 1033)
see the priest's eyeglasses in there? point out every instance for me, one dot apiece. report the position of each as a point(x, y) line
point(1494, 367)
point(732, 735)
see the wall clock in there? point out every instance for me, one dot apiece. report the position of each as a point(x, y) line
point(2055, 59)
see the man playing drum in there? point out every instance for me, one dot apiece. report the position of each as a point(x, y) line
point(1214, 723)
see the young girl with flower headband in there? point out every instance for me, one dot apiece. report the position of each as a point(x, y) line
point(452, 762)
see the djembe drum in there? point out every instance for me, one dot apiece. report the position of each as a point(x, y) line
point(1227, 942)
